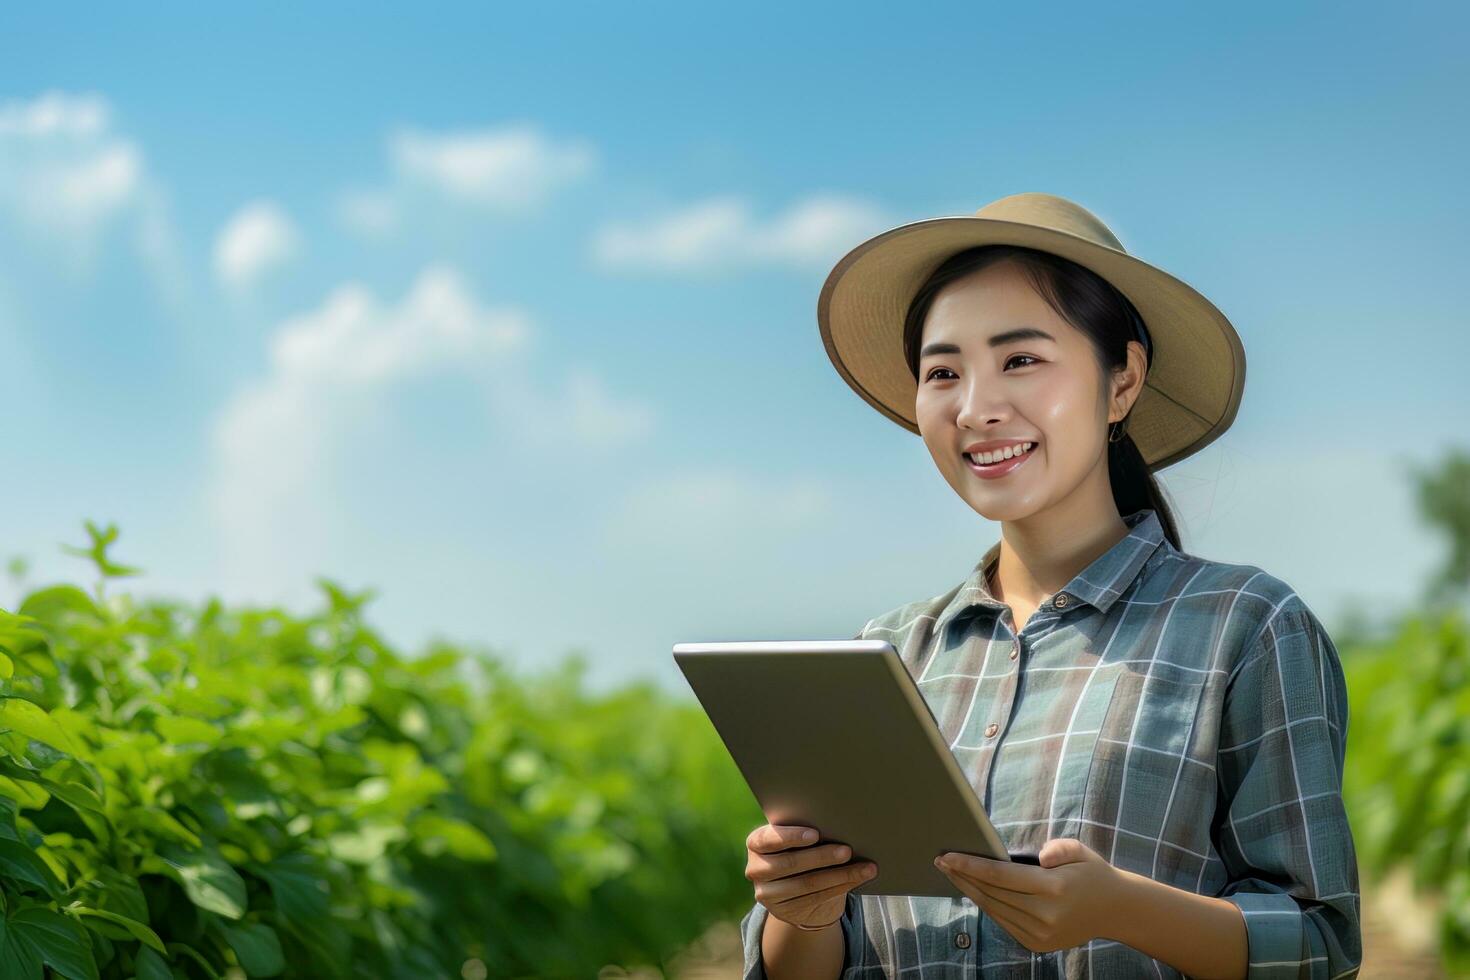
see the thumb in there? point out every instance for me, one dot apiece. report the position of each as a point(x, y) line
point(1060, 850)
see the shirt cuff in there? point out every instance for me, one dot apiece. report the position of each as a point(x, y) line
point(750, 938)
point(1273, 930)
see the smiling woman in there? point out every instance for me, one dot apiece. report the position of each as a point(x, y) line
point(1163, 732)
point(1073, 324)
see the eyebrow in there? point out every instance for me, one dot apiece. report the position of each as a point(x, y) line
point(999, 340)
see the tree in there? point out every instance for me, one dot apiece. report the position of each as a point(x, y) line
point(1444, 503)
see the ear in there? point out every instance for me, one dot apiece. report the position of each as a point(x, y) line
point(1127, 382)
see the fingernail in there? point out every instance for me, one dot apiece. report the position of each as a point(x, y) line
point(869, 871)
point(939, 861)
point(808, 835)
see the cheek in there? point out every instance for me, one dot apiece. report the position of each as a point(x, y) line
point(929, 412)
point(1062, 411)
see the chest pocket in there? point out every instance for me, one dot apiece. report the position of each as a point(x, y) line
point(1143, 785)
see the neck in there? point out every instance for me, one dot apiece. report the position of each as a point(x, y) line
point(1041, 553)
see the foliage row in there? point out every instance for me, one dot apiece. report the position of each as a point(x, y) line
point(205, 793)
point(1407, 780)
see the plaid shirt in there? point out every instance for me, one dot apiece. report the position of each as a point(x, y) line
point(1184, 718)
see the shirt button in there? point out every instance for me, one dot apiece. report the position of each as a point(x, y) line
point(991, 729)
point(1015, 653)
point(962, 940)
point(1061, 600)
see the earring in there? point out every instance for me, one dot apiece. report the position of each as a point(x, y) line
point(1119, 428)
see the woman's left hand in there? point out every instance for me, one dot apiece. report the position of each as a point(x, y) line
point(1065, 902)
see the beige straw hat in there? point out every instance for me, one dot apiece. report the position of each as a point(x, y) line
point(1197, 372)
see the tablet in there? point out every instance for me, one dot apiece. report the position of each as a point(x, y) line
point(834, 734)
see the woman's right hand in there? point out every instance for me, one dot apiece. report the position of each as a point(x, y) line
point(798, 880)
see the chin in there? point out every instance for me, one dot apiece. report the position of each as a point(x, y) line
point(1002, 514)
point(998, 509)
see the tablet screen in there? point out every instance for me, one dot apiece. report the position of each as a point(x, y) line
point(834, 734)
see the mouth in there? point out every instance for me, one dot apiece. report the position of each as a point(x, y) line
point(974, 460)
point(999, 467)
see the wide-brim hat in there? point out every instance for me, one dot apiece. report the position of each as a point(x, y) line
point(1197, 372)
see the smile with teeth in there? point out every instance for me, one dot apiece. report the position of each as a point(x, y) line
point(1009, 452)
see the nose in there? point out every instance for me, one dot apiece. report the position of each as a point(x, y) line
point(980, 405)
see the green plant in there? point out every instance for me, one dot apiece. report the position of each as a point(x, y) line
point(243, 792)
point(1407, 781)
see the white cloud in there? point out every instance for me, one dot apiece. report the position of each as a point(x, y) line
point(598, 419)
point(724, 232)
point(372, 214)
point(69, 177)
point(257, 238)
point(331, 372)
point(509, 168)
point(54, 113)
point(327, 367)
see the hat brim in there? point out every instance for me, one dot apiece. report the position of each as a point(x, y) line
point(1195, 381)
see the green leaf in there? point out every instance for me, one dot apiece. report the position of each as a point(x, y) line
point(179, 949)
point(48, 605)
point(436, 834)
point(24, 791)
point(366, 844)
point(17, 635)
point(150, 966)
point(139, 931)
point(160, 820)
point(297, 886)
point(342, 601)
point(20, 715)
point(119, 892)
point(98, 552)
point(79, 795)
point(17, 960)
point(182, 730)
point(7, 819)
point(20, 862)
point(258, 948)
point(207, 878)
point(53, 939)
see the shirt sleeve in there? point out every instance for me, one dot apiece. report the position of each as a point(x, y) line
point(1281, 827)
point(754, 922)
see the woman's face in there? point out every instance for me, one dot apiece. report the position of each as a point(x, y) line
point(988, 375)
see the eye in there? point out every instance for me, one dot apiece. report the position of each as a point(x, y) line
point(1013, 357)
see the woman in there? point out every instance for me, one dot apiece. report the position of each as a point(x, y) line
point(1165, 732)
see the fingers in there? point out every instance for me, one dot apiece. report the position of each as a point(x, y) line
point(813, 904)
point(767, 867)
point(1010, 875)
point(989, 881)
point(1017, 920)
point(768, 838)
point(813, 883)
point(1003, 900)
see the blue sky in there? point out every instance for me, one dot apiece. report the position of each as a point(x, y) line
point(509, 312)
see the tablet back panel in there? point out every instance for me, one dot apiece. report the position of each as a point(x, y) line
point(834, 734)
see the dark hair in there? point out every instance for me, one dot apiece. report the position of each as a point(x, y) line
point(1091, 304)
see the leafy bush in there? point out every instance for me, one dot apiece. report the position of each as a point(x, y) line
point(1407, 784)
point(213, 792)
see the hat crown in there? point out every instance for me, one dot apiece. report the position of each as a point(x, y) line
point(1050, 211)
